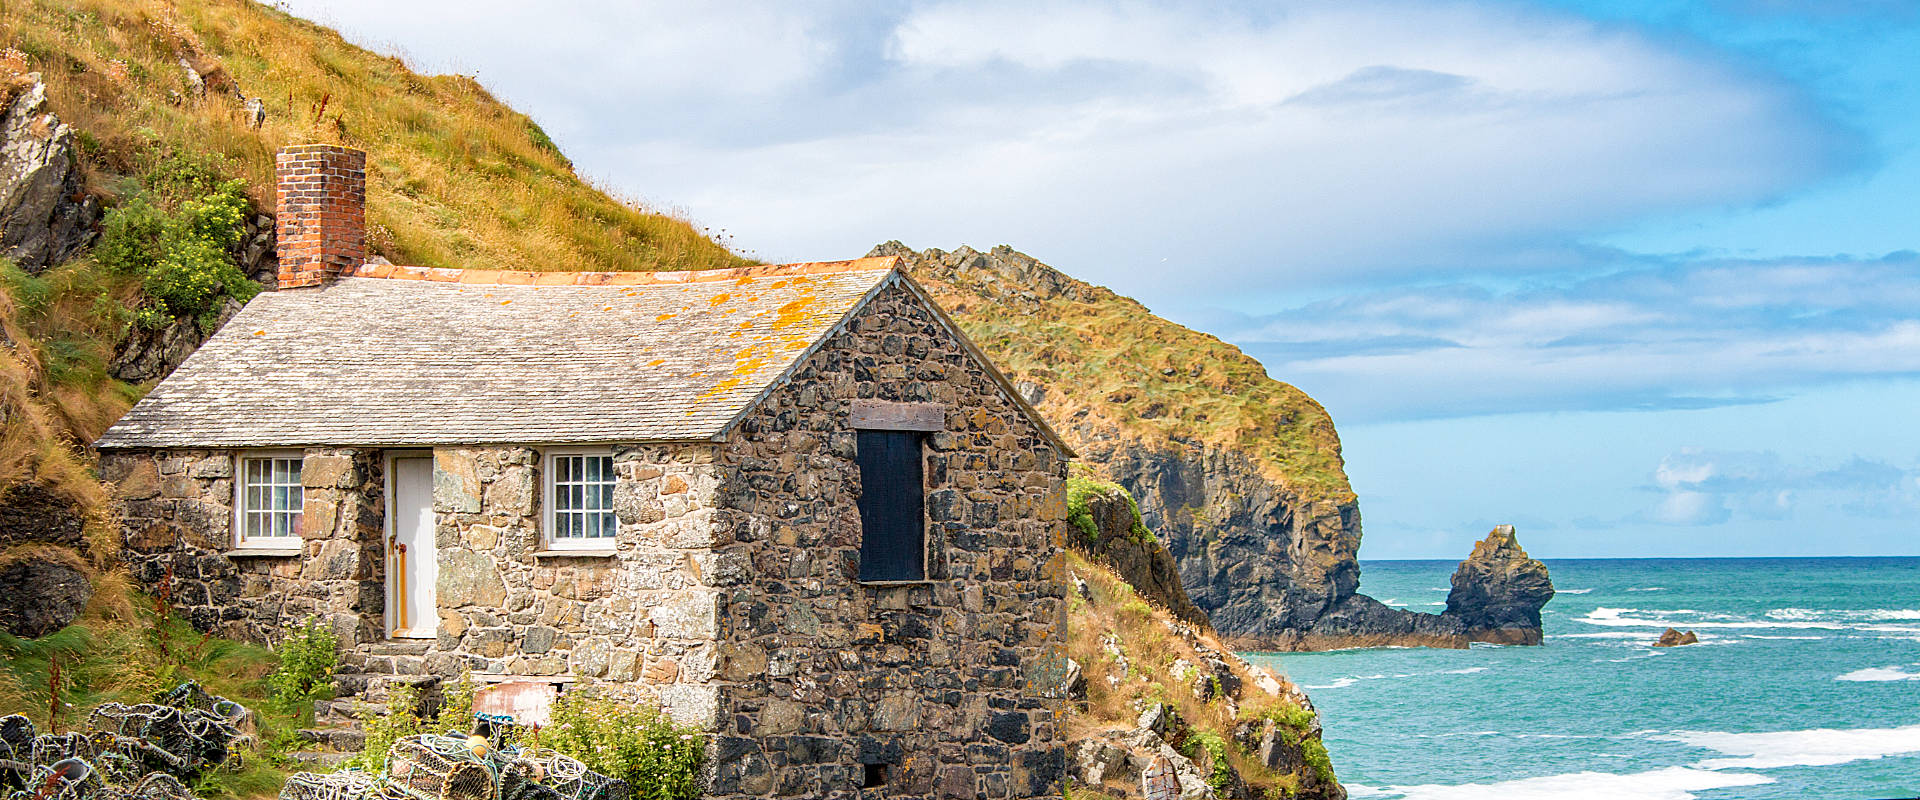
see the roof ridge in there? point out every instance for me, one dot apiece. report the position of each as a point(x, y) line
point(505, 277)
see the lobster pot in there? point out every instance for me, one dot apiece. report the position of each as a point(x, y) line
point(180, 741)
point(568, 777)
point(158, 786)
point(429, 767)
point(349, 785)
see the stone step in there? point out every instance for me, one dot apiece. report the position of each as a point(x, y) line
point(320, 761)
point(350, 740)
point(346, 711)
point(400, 647)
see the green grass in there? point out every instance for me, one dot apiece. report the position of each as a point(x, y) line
point(1111, 366)
point(124, 650)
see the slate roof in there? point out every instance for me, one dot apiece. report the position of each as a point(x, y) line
point(397, 356)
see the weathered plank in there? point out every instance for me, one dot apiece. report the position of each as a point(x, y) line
point(1159, 782)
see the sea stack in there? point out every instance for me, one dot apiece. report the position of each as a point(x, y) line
point(1499, 590)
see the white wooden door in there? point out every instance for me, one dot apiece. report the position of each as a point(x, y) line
point(412, 562)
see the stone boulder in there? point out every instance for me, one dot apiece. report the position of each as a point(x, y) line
point(46, 214)
point(1124, 545)
point(1499, 590)
point(41, 592)
point(30, 512)
point(1674, 638)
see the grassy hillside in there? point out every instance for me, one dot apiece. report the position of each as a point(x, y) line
point(455, 178)
point(1112, 369)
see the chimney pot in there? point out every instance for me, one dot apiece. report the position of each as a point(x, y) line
point(320, 229)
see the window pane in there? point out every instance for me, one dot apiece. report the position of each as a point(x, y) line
point(293, 471)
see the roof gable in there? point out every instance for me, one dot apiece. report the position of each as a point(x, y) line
point(411, 356)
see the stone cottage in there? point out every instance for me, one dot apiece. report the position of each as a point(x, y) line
point(792, 504)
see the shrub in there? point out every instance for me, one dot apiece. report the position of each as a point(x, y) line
point(1216, 747)
point(400, 721)
point(659, 758)
point(307, 659)
point(176, 238)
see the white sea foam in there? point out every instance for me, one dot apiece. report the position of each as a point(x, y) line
point(1646, 588)
point(1571, 591)
point(1464, 671)
point(1894, 613)
point(1672, 783)
point(1878, 674)
point(1619, 617)
point(1810, 748)
point(1338, 683)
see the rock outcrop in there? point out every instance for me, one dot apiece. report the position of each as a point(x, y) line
point(46, 215)
point(1121, 541)
point(1499, 590)
point(1674, 638)
point(1238, 474)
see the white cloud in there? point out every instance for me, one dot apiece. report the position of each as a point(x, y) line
point(1322, 143)
point(1684, 336)
point(1705, 487)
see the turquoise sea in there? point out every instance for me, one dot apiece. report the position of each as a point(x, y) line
point(1806, 684)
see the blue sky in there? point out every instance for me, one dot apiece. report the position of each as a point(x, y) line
point(1639, 277)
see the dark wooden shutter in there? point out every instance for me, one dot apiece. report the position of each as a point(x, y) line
point(892, 500)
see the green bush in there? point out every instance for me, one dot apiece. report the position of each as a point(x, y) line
point(1315, 753)
point(307, 659)
point(400, 721)
point(1216, 747)
point(659, 758)
point(176, 237)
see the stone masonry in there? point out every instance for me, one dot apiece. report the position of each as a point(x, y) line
point(729, 596)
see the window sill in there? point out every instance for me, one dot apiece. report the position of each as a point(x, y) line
point(264, 552)
point(608, 553)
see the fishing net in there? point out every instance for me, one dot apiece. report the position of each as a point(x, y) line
point(126, 752)
point(432, 767)
point(347, 785)
point(567, 777)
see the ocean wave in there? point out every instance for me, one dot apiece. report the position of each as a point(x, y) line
point(1646, 588)
point(1894, 613)
point(1349, 680)
point(1672, 783)
point(1879, 674)
point(1819, 747)
point(1571, 591)
point(1618, 617)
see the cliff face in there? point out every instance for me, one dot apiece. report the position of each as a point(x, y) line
point(1114, 534)
point(1239, 474)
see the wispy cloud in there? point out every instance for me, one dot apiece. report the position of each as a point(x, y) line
point(1319, 144)
point(1689, 335)
point(1708, 487)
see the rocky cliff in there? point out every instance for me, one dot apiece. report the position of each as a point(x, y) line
point(1240, 475)
point(1113, 534)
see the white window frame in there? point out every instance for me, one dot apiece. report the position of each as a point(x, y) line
point(549, 504)
point(240, 511)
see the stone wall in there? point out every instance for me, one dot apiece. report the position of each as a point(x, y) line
point(176, 523)
point(642, 622)
point(946, 681)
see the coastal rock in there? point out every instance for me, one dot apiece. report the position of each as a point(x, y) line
point(46, 214)
point(1674, 638)
point(1499, 590)
point(1124, 544)
point(1266, 541)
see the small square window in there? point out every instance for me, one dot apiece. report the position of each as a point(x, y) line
point(268, 501)
point(873, 776)
point(580, 500)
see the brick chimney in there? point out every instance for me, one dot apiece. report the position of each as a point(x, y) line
point(320, 215)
